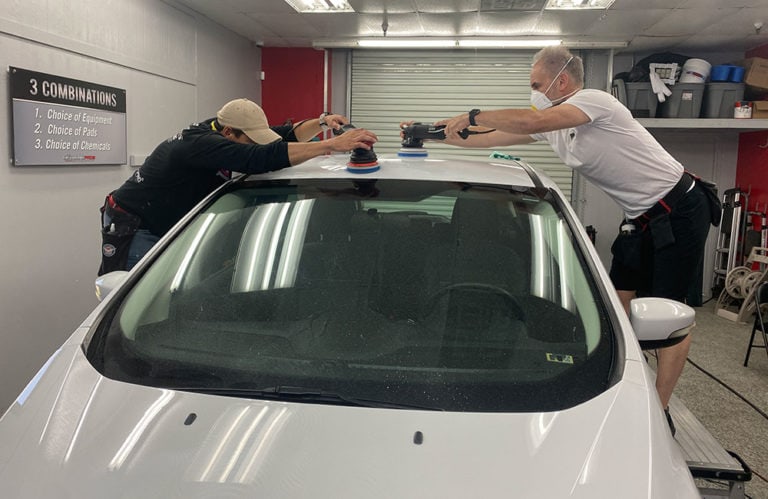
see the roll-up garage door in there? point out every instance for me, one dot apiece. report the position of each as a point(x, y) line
point(388, 87)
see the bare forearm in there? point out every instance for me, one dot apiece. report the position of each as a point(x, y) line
point(519, 123)
point(306, 130)
point(491, 139)
point(299, 152)
point(511, 121)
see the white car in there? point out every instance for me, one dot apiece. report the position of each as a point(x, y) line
point(434, 328)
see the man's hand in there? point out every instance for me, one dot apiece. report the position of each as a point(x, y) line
point(335, 121)
point(454, 125)
point(352, 139)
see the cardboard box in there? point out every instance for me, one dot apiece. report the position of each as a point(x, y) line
point(760, 109)
point(756, 74)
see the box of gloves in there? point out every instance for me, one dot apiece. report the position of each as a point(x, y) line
point(684, 101)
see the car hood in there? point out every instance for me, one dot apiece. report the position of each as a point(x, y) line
point(74, 433)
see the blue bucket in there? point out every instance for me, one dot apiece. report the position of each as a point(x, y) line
point(736, 75)
point(720, 73)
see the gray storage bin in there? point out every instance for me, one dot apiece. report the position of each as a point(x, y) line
point(685, 101)
point(720, 98)
point(638, 97)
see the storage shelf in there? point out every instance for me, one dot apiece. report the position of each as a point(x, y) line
point(723, 124)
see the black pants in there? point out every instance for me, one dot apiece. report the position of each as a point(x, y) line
point(666, 257)
point(117, 230)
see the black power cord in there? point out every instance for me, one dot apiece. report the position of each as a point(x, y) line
point(733, 391)
point(740, 396)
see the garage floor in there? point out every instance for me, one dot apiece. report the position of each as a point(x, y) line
point(730, 400)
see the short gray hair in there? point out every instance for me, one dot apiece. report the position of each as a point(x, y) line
point(555, 57)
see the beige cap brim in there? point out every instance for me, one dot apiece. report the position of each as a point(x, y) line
point(262, 136)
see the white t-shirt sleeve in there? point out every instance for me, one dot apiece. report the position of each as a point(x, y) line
point(615, 152)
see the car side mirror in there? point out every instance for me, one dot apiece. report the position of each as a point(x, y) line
point(107, 282)
point(660, 322)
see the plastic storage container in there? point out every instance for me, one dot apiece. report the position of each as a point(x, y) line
point(685, 101)
point(638, 97)
point(720, 99)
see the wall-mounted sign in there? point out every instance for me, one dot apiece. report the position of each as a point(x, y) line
point(61, 121)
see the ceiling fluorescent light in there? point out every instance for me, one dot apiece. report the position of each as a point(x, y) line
point(502, 43)
point(577, 4)
point(476, 43)
point(605, 44)
point(406, 43)
point(320, 6)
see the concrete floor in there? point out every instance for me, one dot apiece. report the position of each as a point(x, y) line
point(717, 353)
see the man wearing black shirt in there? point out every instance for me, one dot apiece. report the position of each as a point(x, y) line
point(185, 168)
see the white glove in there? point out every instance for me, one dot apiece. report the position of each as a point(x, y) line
point(659, 88)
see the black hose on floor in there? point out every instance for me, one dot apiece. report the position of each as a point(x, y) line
point(739, 395)
point(733, 391)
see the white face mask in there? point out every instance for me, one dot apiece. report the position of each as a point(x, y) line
point(540, 101)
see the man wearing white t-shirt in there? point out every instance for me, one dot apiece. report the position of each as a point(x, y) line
point(592, 132)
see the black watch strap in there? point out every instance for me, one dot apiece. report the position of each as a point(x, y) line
point(472, 115)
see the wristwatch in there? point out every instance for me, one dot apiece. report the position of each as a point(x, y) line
point(472, 115)
point(321, 118)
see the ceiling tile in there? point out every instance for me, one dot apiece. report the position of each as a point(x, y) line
point(652, 25)
point(678, 22)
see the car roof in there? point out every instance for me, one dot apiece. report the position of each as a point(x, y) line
point(444, 168)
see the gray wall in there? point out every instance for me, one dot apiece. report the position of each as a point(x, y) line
point(176, 68)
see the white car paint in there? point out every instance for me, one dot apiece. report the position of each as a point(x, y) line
point(74, 433)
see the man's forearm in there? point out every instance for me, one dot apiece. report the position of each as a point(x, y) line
point(299, 152)
point(306, 130)
point(492, 139)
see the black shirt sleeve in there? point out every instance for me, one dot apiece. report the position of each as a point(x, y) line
point(286, 132)
point(211, 151)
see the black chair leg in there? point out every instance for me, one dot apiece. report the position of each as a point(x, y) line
point(765, 341)
point(749, 346)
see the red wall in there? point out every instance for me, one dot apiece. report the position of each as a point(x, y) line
point(752, 168)
point(752, 165)
point(293, 83)
point(761, 51)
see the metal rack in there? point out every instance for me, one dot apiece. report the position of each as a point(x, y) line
point(756, 233)
point(741, 256)
point(730, 241)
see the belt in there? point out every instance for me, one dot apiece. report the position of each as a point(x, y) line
point(113, 204)
point(665, 205)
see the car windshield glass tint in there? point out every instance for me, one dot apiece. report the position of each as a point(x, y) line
point(412, 293)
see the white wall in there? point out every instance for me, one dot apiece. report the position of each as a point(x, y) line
point(176, 68)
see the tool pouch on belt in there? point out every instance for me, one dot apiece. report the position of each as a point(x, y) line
point(627, 249)
point(715, 205)
point(117, 230)
point(661, 231)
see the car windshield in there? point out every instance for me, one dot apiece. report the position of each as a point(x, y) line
point(437, 295)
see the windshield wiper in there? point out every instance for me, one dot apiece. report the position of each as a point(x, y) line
point(303, 394)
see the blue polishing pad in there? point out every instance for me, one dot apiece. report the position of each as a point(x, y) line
point(412, 153)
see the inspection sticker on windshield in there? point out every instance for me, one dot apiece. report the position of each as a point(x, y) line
point(560, 358)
